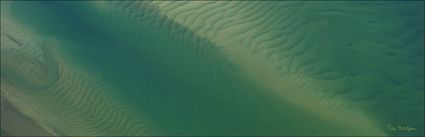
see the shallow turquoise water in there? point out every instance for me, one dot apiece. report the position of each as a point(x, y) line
point(164, 71)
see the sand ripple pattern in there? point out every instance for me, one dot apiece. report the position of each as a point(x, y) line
point(355, 51)
point(130, 68)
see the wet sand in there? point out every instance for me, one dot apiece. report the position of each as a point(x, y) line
point(14, 123)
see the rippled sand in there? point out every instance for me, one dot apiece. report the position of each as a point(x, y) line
point(212, 68)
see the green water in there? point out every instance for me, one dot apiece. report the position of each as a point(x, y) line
point(147, 68)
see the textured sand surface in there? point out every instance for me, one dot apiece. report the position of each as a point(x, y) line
point(214, 67)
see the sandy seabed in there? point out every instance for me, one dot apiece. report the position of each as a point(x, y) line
point(133, 68)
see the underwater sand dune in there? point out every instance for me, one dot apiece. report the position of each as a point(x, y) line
point(327, 46)
point(215, 68)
